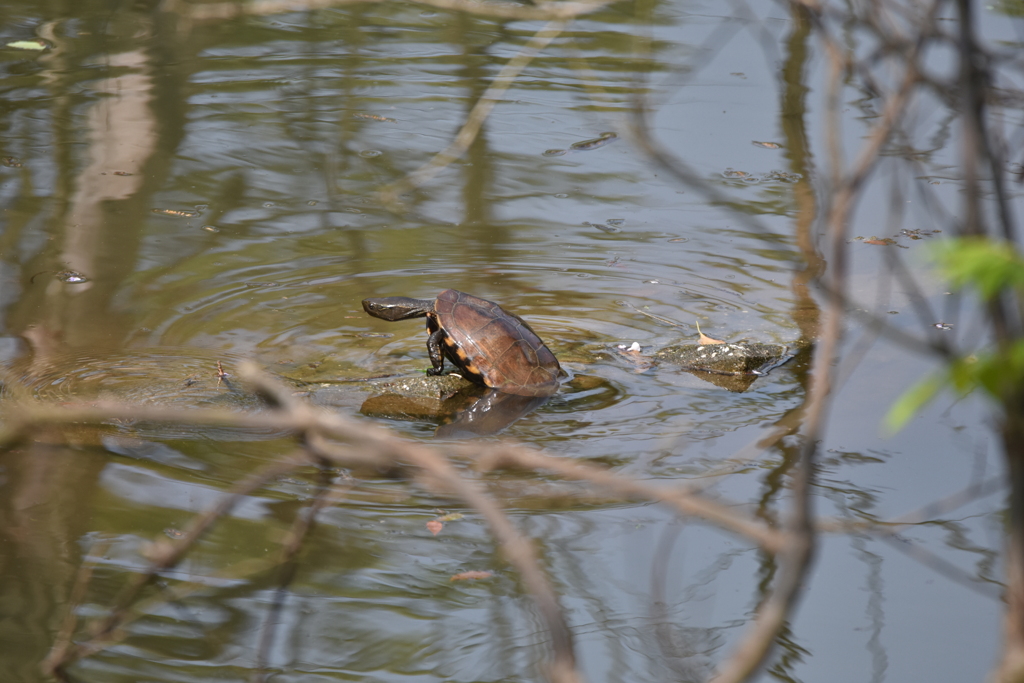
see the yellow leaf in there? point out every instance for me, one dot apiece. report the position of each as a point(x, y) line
point(704, 339)
point(450, 517)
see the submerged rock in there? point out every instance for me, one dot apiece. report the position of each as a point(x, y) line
point(732, 366)
point(419, 397)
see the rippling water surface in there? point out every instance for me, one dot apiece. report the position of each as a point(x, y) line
point(217, 185)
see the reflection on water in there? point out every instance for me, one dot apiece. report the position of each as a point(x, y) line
point(179, 190)
point(153, 376)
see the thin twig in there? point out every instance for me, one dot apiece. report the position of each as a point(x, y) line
point(57, 658)
point(165, 554)
point(325, 496)
point(438, 474)
point(796, 558)
point(683, 500)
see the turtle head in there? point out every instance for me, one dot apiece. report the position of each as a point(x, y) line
point(397, 307)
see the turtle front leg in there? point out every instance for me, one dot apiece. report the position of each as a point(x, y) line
point(436, 351)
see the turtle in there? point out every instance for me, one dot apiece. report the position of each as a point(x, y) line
point(489, 345)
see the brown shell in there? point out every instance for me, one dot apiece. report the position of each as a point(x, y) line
point(495, 347)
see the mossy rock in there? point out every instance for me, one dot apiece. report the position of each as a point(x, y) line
point(732, 366)
point(417, 397)
point(727, 358)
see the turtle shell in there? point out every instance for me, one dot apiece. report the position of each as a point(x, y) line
point(492, 346)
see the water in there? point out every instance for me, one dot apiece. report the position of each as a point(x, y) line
point(178, 193)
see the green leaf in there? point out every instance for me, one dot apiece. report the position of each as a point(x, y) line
point(913, 399)
point(1000, 373)
point(990, 267)
point(987, 265)
point(28, 45)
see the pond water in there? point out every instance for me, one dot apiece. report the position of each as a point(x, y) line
point(180, 189)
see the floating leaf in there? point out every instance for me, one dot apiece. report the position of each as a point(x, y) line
point(884, 243)
point(599, 141)
point(450, 517)
point(374, 117)
point(704, 339)
point(28, 45)
point(434, 526)
point(782, 176)
point(176, 212)
point(466, 576)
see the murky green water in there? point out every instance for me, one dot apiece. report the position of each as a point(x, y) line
point(177, 192)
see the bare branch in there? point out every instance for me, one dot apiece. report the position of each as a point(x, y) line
point(684, 501)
